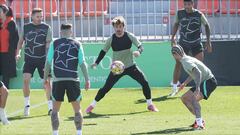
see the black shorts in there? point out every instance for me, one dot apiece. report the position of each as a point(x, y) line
point(193, 50)
point(72, 89)
point(29, 67)
point(207, 87)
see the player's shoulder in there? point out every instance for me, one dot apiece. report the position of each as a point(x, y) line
point(130, 35)
point(45, 25)
point(197, 11)
point(28, 24)
point(181, 11)
point(74, 42)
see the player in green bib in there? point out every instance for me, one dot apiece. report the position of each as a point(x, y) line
point(205, 83)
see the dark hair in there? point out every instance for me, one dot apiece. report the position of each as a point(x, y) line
point(7, 10)
point(4, 8)
point(66, 26)
point(10, 12)
point(36, 10)
point(188, 0)
point(177, 49)
point(118, 20)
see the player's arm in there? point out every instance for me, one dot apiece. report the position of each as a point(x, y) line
point(186, 82)
point(48, 39)
point(19, 46)
point(198, 77)
point(48, 62)
point(208, 32)
point(137, 43)
point(13, 32)
point(83, 66)
point(174, 32)
point(102, 52)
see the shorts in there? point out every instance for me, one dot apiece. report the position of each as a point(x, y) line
point(72, 89)
point(193, 50)
point(207, 87)
point(29, 67)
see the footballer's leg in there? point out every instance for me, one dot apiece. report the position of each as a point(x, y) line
point(26, 92)
point(78, 117)
point(58, 91)
point(187, 101)
point(48, 92)
point(200, 56)
point(111, 80)
point(74, 97)
point(135, 73)
point(3, 100)
point(176, 76)
point(55, 117)
point(47, 87)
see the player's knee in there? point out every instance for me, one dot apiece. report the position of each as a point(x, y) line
point(4, 91)
point(144, 83)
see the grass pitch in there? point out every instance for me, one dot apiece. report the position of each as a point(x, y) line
point(123, 112)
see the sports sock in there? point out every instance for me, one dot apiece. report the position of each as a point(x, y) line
point(79, 132)
point(27, 101)
point(94, 103)
point(50, 104)
point(199, 122)
point(149, 102)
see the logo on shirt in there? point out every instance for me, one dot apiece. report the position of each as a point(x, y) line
point(188, 27)
point(35, 44)
point(65, 55)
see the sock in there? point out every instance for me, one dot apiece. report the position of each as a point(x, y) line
point(50, 106)
point(79, 132)
point(1, 111)
point(199, 122)
point(175, 87)
point(27, 101)
point(55, 132)
point(94, 103)
point(149, 102)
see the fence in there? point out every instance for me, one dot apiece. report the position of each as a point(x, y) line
point(148, 19)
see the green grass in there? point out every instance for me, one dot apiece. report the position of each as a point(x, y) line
point(123, 112)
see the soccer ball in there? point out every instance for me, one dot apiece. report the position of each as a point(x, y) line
point(117, 67)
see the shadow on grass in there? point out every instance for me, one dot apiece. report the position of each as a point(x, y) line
point(95, 115)
point(167, 131)
point(23, 117)
point(163, 98)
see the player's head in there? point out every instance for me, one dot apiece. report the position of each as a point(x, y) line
point(66, 30)
point(118, 25)
point(177, 52)
point(188, 5)
point(37, 15)
point(3, 11)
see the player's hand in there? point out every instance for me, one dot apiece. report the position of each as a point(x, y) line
point(197, 92)
point(173, 42)
point(87, 85)
point(136, 53)
point(94, 66)
point(45, 84)
point(182, 86)
point(208, 47)
point(17, 57)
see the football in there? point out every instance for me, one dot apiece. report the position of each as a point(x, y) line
point(117, 67)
